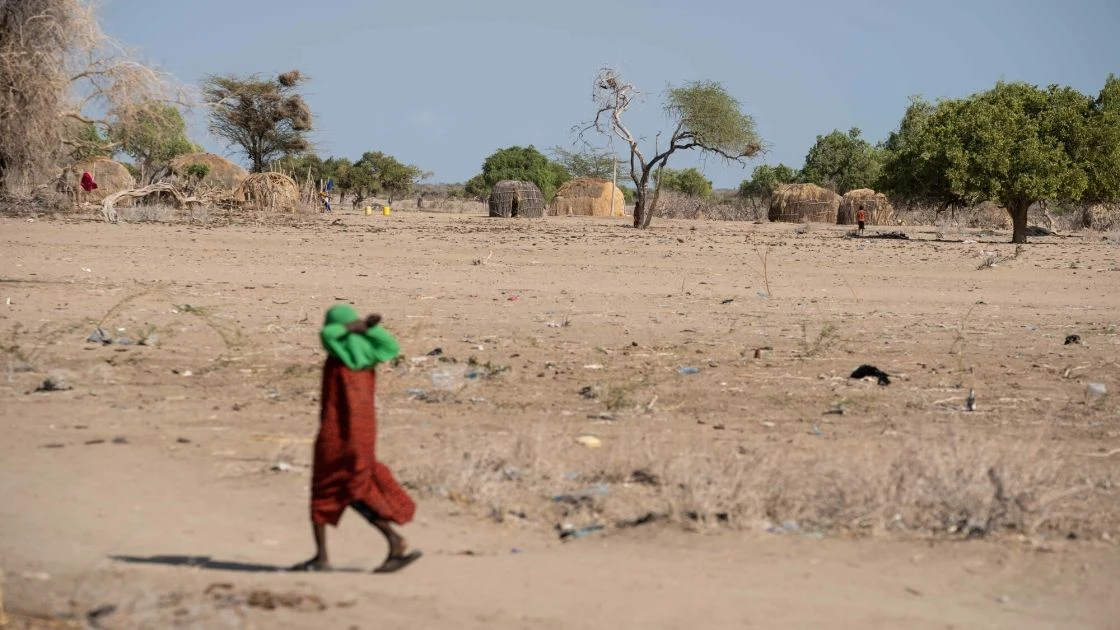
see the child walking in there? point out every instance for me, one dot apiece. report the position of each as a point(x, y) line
point(346, 472)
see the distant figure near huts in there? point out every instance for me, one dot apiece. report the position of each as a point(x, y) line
point(513, 198)
point(801, 203)
point(588, 197)
point(110, 177)
point(875, 205)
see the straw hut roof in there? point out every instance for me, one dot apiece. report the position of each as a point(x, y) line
point(110, 176)
point(268, 190)
point(878, 208)
point(588, 197)
point(798, 203)
point(223, 175)
point(513, 198)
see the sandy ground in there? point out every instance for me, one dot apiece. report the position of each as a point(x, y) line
point(166, 482)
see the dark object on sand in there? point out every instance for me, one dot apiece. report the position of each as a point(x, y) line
point(864, 371)
point(1071, 339)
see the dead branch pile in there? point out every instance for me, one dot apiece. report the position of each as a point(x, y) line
point(108, 209)
point(60, 73)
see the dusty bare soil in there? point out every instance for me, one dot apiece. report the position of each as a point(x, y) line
point(161, 484)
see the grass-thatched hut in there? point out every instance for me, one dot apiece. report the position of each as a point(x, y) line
point(110, 176)
point(222, 174)
point(268, 190)
point(588, 197)
point(878, 208)
point(512, 198)
point(801, 203)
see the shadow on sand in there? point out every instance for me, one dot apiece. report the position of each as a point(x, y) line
point(206, 562)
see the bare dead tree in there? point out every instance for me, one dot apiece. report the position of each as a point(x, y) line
point(706, 117)
point(60, 73)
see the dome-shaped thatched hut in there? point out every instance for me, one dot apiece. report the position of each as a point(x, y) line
point(513, 198)
point(268, 190)
point(110, 176)
point(876, 205)
point(222, 174)
point(588, 197)
point(800, 203)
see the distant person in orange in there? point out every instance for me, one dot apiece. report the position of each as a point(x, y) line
point(861, 218)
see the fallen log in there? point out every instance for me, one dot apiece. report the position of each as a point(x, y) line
point(109, 211)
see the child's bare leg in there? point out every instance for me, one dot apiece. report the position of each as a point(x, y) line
point(320, 561)
point(397, 544)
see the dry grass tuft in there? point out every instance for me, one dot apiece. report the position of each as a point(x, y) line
point(947, 484)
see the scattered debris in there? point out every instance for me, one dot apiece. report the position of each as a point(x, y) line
point(99, 336)
point(644, 477)
point(435, 353)
point(55, 383)
point(295, 601)
point(1096, 390)
point(1072, 339)
point(688, 371)
point(94, 616)
point(589, 441)
point(581, 496)
point(837, 409)
point(602, 415)
point(864, 371)
point(970, 402)
point(567, 532)
point(728, 301)
point(280, 467)
point(589, 392)
point(644, 519)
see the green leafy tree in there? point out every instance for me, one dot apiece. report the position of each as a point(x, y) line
point(704, 117)
point(154, 135)
point(1102, 149)
point(382, 173)
point(590, 163)
point(842, 162)
point(87, 142)
point(520, 163)
point(689, 181)
point(765, 180)
point(477, 186)
point(1015, 144)
point(265, 119)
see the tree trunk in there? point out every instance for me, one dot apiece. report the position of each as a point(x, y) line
point(1018, 212)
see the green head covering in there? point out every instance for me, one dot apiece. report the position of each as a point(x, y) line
point(357, 351)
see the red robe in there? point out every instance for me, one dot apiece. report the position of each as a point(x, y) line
point(345, 468)
point(88, 184)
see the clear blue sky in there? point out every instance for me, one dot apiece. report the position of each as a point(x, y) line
point(443, 83)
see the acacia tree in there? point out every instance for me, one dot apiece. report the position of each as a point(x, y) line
point(597, 163)
point(842, 162)
point(1015, 144)
point(63, 85)
point(704, 116)
point(266, 119)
